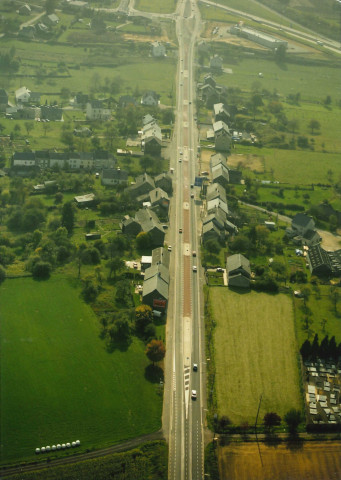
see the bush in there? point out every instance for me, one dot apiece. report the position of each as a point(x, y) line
point(41, 270)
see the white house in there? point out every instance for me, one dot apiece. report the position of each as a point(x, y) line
point(22, 95)
point(96, 111)
point(150, 98)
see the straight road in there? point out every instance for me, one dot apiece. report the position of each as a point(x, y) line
point(183, 415)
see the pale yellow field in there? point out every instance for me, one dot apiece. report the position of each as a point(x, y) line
point(313, 461)
point(255, 353)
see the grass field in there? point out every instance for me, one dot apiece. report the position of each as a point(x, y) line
point(161, 6)
point(58, 381)
point(310, 460)
point(255, 353)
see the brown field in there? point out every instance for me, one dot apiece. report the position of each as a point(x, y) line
point(255, 354)
point(252, 162)
point(313, 461)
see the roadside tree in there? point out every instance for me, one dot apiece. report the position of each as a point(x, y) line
point(155, 351)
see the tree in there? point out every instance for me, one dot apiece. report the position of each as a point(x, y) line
point(293, 125)
point(306, 350)
point(29, 127)
point(120, 330)
point(270, 420)
point(50, 6)
point(143, 241)
point(143, 316)
point(314, 125)
point(115, 265)
point(155, 351)
point(46, 128)
point(293, 418)
point(213, 246)
point(68, 216)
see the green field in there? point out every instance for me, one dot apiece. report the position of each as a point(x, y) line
point(58, 381)
point(255, 354)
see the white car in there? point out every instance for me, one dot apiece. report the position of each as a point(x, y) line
point(169, 248)
point(194, 395)
point(194, 268)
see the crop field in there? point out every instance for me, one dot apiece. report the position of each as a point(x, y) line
point(308, 460)
point(255, 353)
point(161, 6)
point(59, 383)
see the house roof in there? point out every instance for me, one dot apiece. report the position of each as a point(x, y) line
point(163, 176)
point(151, 93)
point(158, 269)
point(311, 235)
point(148, 220)
point(155, 283)
point(153, 135)
point(22, 91)
point(301, 220)
point(217, 203)
point(209, 77)
point(89, 197)
point(215, 190)
point(220, 126)
point(238, 261)
point(24, 156)
point(216, 218)
point(147, 119)
point(96, 104)
point(128, 221)
point(217, 158)
point(59, 156)
point(220, 108)
point(53, 18)
point(151, 127)
point(114, 173)
point(210, 227)
point(144, 178)
point(220, 170)
point(160, 256)
point(319, 257)
point(157, 194)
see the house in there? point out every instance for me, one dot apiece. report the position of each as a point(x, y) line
point(151, 127)
point(96, 111)
point(150, 224)
point(216, 63)
point(216, 159)
point(217, 217)
point(159, 200)
point(146, 262)
point(42, 29)
point(238, 271)
point(27, 31)
point(211, 232)
point(220, 174)
point(217, 203)
point(126, 101)
point(24, 159)
point(52, 19)
point(59, 160)
point(147, 119)
point(311, 237)
point(143, 185)
point(158, 49)
point(22, 95)
point(209, 95)
point(270, 225)
point(51, 113)
point(301, 223)
point(81, 160)
point(223, 137)
point(25, 10)
point(160, 256)
point(42, 158)
point(150, 98)
point(164, 181)
point(130, 226)
point(151, 142)
point(103, 159)
point(114, 176)
point(323, 263)
point(27, 113)
point(210, 80)
point(221, 113)
point(157, 269)
point(155, 293)
point(82, 132)
point(3, 100)
point(216, 190)
point(85, 200)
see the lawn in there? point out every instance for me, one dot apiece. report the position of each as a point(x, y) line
point(255, 354)
point(311, 460)
point(59, 383)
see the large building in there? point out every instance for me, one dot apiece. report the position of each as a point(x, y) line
point(261, 38)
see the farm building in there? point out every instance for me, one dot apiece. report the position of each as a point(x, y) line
point(261, 38)
point(238, 271)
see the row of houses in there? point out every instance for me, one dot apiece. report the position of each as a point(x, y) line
point(42, 28)
point(156, 280)
point(151, 136)
point(26, 162)
point(145, 220)
point(210, 92)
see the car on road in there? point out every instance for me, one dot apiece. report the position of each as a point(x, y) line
point(180, 230)
point(219, 269)
point(195, 367)
point(194, 394)
point(180, 160)
point(169, 248)
point(194, 253)
point(192, 185)
point(194, 268)
point(192, 195)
